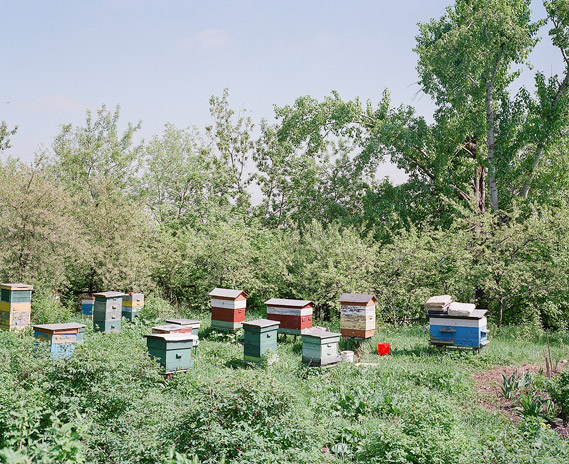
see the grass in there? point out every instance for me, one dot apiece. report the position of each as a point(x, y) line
point(417, 405)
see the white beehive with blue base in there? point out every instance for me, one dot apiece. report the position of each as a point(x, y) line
point(456, 328)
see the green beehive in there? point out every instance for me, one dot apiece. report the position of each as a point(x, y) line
point(172, 350)
point(260, 336)
point(107, 311)
point(320, 347)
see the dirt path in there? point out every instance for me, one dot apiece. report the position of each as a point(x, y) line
point(488, 385)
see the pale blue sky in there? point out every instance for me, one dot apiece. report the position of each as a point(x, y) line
point(162, 60)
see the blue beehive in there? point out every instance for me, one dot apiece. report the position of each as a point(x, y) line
point(62, 338)
point(464, 331)
point(87, 305)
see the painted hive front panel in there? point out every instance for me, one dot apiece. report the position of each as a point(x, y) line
point(133, 300)
point(226, 325)
point(291, 319)
point(357, 320)
point(106, 326)
point(228, 315)
point(87, 306)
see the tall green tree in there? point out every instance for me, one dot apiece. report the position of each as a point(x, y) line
point(5, 135)
point(97, 164)
point(180, 183)
point(482, 138)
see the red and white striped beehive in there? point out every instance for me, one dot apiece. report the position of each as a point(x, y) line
point(357, 315)
point(227, 308)
point(295, 316)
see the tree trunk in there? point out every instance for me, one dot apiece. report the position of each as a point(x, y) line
point(563, 87)
point(491, 143)
point(501, 313)
point(480, 189)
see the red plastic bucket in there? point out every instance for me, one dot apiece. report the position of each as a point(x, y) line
point(383, 349)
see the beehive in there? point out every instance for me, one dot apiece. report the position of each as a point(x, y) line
point(191, 325)
point(459, 331)
point(227, 308)
point(295, 316)
point(357, 315)
point(179, 328)
point(87, 305)
point(260, 337)
point(172, 350)
point(320, 347)
point(62, 338)
point(107, 312)
point(132, 304)
point(15, 306)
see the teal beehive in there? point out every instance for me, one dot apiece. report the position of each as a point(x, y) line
point(172, 350)
point(320, 347)
point(260, 337)
point(107, 311)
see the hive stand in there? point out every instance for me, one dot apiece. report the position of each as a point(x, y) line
point(15, 306)
point(178, 328)
point(62, 338)
point(172, 350)
point(260, 337)
point(132, 304)
point(320, 347)
point(107, 312)
point(459, 331)
point(87, 305)
point(295, 316)
point(227, 308)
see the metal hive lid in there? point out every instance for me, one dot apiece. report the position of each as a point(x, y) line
point(357, 298)
point(227, 293)
point(262, 323)
point(174, 337)
point(182, 321)
point(108, 294)
point(17, 287)
point(287, 302)
point(320, 332)
point(63, 326)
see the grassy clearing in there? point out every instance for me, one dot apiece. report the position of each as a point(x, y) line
point(418, 405)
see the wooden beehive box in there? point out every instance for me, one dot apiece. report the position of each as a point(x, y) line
point(295, 316)
point(87, 305)
point(172, 350)
point(132, 304)
point(107, 312)
point(178, 328)
point(15, 306)
point(357, 315)
point(260, 337)
point(459, 331)
point(62, 338)
point(191, 325)
point(227, 308)
point(320, 347)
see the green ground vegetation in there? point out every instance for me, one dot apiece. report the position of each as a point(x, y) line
point(109, 403)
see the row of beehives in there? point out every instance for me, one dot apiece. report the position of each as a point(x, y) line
point(357, 313)
point(107, 308)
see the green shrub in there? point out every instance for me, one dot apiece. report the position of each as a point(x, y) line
point(156, 308)
point(46, 309)
point(559, 391)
